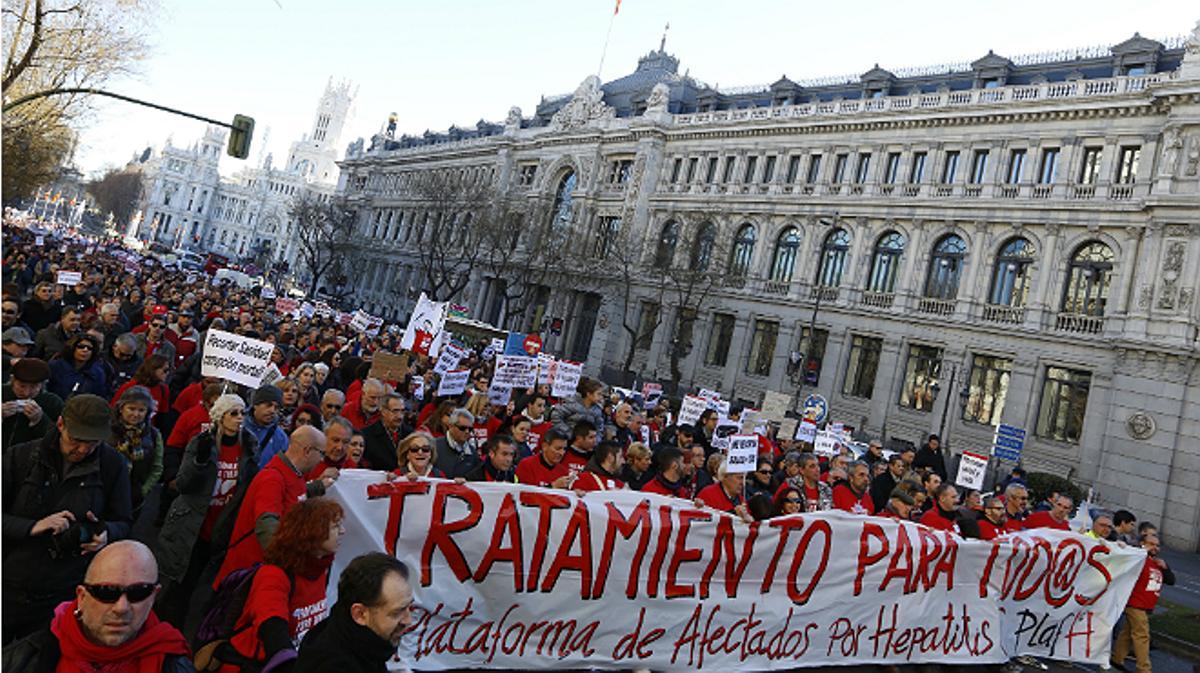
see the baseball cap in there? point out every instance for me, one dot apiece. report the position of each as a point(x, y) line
point(17, 335)
point(87, 418)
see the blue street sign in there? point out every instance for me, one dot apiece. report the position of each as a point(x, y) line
point(1009, 443)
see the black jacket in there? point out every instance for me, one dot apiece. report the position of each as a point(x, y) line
point(338, 643)
point(934, 460)
point(35, 486)
point(379, 453)
point(485, 472)
point(39, 653)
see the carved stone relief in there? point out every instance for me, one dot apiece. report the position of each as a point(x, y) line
point(1172, 269)
point(1140, 426)
point(1145, 296)
point(585, 107)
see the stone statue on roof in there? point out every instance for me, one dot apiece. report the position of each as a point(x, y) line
point(659, 97)
point(585, 107)
point(513, 121)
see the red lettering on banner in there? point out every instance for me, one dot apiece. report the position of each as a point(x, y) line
point(633, 645)
point(440, 531)
point(507, 522)
point(1100, 568)
point(683, 555)
point(1068, 561)
point(545, 502)
point(904, 572)
point(946, 562)
point(865, 556)
point(626, 527)
point(578, 527)
point(397, 491)
point(931, 549)
point(818, 526)
point(723, 547)
point(786, 525)
point(660, 550)
point(1085, 633)
point(986, 577)
point(1039, 545)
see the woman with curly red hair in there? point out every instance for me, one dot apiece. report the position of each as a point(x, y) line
point(287, 594)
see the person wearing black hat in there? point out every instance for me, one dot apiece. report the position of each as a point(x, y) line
point(29, 409)
point(263, 423)
point(66, 496)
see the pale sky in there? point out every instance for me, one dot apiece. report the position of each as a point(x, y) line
point(438, 63)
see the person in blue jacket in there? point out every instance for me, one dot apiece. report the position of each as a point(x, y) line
point(78, 370)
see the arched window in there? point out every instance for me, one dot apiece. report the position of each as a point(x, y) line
point(743, 251)
point(1089, 279)
point(563, 200)
point(833, 258)
point(702, 247)
point(664, 254)
point(945, 267)
point(885, 264)
point(1010, 280)
point(783, 262)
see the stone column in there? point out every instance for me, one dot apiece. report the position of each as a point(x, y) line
point(736, 359)
point(885, 393)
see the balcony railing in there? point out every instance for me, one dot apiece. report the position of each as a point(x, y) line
point(776, 286)
point(1014, 315)
point(943, 307)
point(878, 299)
point(1078, 323)
point(825, 294)
point(1120, 192)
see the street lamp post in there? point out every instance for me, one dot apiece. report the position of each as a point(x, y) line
point(798, 360)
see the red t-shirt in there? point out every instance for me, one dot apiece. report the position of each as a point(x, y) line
point(189, 397)
point(989, 530)
point(191, 423)
point(1149, 585)
point(714, 496)
point(274, 490)
point(590, 481)
point(345, 463)
point(354, 414)
point(845, 500)
point(227, 477)
point(1013, 524)
point(536, 432)
point(656, 485)
point(575, 461)
point(1044, 520)
point(535, 472)
point(934, 519)
point(160, 393)
point(273, 595)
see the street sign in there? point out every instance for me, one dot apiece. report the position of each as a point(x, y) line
point(533, 344)
point(815, 408)
point(1008, 443)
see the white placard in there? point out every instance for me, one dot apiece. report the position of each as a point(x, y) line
point(515, 371)
point(423, 335)
point(708, 395)
point(691, 408)
point(267, 292)
point(271, 375)
point(235, 358)
point(547, 368)
point(787, 428)
point(806, 431)
point(826, 444)
point(39, 241)
point(453, 383)
point(360, 321)
point(69, 277)
point(775, 405)
point(418, 388)
point(723, 432)
point(971, 470)
point(743, 454)
point(566, 378)
point(498, 395)
point(449, 358)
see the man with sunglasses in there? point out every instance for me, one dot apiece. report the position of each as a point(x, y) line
point(66, 496)
point(331, 404)
point(109, 625)
point(154, 340)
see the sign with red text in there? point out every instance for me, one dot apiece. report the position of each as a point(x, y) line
point(518, 577)
point(566, 378)
point(972, 468)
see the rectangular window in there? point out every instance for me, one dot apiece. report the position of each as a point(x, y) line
point(1089, 171)
point(691, 170)
point(917, 172)
point(1127, 167)
point(1049, 167)
point(719, 340)
point(727, 174)
point(988, 387)
point(762, 347)
point(864, 363)
point(676, 170)
point(793, 169)
point(647, 323)
point(814, 169)
point(607, 228)
point(864, 167)
point(950, 167)
point(839, 168)
point(751, 165)
point(711, 174)
point(921, 374)
point(893, 167)
point(1064, 403)
point(814, 355)
point(1016, 166)
point(769, 169)
point(979, 167)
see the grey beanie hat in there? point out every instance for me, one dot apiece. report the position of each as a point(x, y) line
point(223, 405)
point(137, 395)
point(267, 393)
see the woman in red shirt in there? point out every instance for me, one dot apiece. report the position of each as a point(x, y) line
point(152, 374)
point(287, 595)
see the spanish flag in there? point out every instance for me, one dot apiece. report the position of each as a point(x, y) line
point(617, 8)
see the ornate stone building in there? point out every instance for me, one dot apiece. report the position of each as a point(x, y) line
point(1009, 240)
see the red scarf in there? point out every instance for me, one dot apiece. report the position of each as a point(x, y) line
point(143, 654)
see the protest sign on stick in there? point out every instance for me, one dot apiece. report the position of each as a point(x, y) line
point(235, 358)
point(453, 383)
point(69, 277)
point(743, 454)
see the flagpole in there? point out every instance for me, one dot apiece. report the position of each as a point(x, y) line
point(612, 19)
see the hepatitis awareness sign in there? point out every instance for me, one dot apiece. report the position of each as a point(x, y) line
point(513, 576)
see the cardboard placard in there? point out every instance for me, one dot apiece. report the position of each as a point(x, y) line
point(566, 378)
point(775, 405)
point(387, 366)
point(787, 428)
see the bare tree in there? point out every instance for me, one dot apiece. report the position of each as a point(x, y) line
point(323, 232)
point(696, 274)
point(117, 192)
point(463, 219)
point(635, 280)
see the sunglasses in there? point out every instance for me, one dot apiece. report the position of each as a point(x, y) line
point(333, 406)
point(83, 347)
point(111, 593)
point(419, 449)
point(236, 412)
point(795, 501)
point(766, 472)
point(464, 428)
point(157, 325)
point(9, 312)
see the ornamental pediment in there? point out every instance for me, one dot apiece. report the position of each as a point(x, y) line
point(1137, 45)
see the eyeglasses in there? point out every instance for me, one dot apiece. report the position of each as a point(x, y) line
point(111, 593)
point(83, 347)
point(158, 325)
point(9, 312)
point(795, 501)
point(236, 412)
point(419, 449)
point(333, 406)
point(464, 428)
point(766, 472)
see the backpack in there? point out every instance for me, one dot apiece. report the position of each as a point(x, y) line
point(219, 624)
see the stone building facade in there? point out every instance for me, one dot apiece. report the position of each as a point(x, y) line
point(1010, 240)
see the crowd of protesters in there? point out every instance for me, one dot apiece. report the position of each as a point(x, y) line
point(109, 427)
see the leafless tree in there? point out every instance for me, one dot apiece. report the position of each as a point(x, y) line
point(117, 192)
point(699, 269)
point(322, 232)
point(463, 220)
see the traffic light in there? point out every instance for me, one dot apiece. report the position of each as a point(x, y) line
point(239, 137)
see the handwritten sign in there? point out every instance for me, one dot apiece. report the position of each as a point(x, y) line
point(453, 383)
point(69, 277)
point(692, 407)
point(566, 378)
point(743, 454)
point(972, 469)
point(235, 358)
point(515, 371)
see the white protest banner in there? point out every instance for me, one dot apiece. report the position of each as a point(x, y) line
point(971, 470)
point(838, 430)
point(518, 577)
point(453, 383)
point(449, 358)
point(267, 292)
point(69, 278)
point(691, 408)
point(826, 444)
point(721, 406)
point(775, 405)
point(235, 358)
point(515, 371)
point(566, 378)
point(547, 368)
point(742, 455)
point(498, 395)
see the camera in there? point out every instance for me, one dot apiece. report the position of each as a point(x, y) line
point(67, 544)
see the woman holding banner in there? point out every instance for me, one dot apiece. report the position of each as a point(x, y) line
point(416, 455)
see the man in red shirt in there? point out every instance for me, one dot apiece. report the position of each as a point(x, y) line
point(365, 410)
point(583, 442)
point(1015, 500)
point(818, 496)
point(1057, 517)
point(602, 470)
point(668, 479)
point(853, 496)
point(726, 494)
point(943, 515)
point(184, 337)
point(275, 489)
point(991, 524)
point(1135, 633)
point(547, 469)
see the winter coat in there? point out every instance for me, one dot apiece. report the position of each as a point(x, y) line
point(196, 482)
point(67, 380)
point(338, 643)
point(16, 427)
point(38, 315)
point(569, 412)
point(145, 459)
point(50, 341)
point(118, 372)
point(269, 439)
point(40, 652)
point(165, 349)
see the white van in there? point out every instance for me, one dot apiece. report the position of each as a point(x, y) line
point(235, 277)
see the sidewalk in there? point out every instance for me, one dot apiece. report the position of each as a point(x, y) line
point(1186, 566)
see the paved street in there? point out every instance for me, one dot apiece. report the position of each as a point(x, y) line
point(1187, 578)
